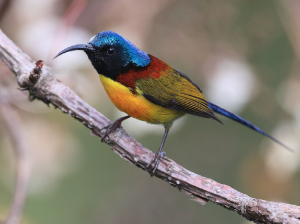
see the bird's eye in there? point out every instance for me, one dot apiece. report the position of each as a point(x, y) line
point(111, 51)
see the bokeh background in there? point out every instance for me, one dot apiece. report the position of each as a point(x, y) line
point(244, 54)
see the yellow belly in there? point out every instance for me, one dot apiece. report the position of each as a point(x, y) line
point(136, 105)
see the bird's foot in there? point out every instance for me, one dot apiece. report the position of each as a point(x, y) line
point(155, 162)
point(110, 128)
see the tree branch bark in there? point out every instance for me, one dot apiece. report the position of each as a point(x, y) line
point(46, 88)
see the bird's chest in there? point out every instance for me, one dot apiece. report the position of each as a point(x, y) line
point(136, 105)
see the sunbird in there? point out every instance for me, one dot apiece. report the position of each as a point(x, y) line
point(148, 89)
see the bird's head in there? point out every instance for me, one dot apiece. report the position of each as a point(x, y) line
point(110, 53)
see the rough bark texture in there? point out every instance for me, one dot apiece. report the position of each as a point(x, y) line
point(43, 86)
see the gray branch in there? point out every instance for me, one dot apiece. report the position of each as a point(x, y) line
point(42, 85)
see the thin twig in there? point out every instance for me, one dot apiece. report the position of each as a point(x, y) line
point(69, 18)
point(290, 19)
point(12, 123)
point(4, 6)
point(50, 91)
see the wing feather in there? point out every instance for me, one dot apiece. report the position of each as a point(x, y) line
point(175, 91)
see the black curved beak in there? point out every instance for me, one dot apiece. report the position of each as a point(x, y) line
point(84, 47)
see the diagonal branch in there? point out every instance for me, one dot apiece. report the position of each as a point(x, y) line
point(45, 87)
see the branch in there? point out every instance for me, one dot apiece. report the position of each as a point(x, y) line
point(43, 86)
point(12, 122)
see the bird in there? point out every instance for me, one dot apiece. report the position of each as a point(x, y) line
point(148, 89)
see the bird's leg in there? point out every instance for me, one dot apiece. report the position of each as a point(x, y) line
point(112, 126)
point(158, 156)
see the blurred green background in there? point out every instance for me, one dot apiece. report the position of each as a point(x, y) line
point(244, 54)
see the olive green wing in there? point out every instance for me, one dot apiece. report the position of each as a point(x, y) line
point(175, 91)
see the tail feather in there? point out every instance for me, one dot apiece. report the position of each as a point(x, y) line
point(242, 121)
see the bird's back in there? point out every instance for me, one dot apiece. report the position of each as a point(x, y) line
point(174, 90)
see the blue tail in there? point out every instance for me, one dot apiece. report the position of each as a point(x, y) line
point(242, 121)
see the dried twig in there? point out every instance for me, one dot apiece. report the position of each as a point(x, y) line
point(50, 91)
point(69, 18)
point(4, 6)
point(12, 123)
point(290, 19)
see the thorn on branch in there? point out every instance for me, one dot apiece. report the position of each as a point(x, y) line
point(35, 74)
point(27, 81)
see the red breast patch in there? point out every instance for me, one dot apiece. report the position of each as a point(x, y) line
point(153, 70)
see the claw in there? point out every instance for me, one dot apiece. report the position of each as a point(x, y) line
point(155, 161)
point(113, 126)
point(109, 128)
point(158, 156)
